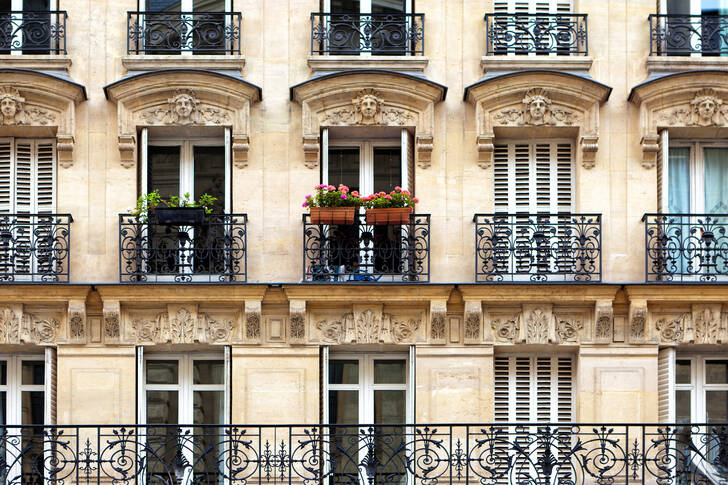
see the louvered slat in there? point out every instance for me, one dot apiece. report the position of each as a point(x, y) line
point(666, 385)
point(501, 178)
point(45, 177)
point(24, 161)
point(7, 149)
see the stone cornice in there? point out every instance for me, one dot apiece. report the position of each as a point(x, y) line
point(182, 293)
point(538, 293)
point(364, 294)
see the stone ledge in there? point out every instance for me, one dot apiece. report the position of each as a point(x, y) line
point(36, 62)
point(324, 63)
point(159, 62)
point(525, 63)
point(685, 63)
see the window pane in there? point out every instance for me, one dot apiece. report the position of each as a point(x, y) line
point(678, 191)
point(683, 374)
point(36, 5)
point(678, 7)
point(389, 407)
point(343, 372)
point(344, 167)
point(716, 406)
point(345, 6)
point(682, 406)
point(210, 174)
point(208, 6)
point(33, 372)
point(164, 5)
point(714, 7)
point(344, 407)
point(388, 6)
point(3, 372)
point(162, 371)
point(33, 407)
point(389, 372)
point(209, 407)
point(163, 170)
point(209, 372)
point(162, 407)
point(3, 407)
point(387, 169)
point(716, 371)
point(716, 180)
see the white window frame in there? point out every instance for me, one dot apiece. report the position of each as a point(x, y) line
point(697, 386)
point(366, 160)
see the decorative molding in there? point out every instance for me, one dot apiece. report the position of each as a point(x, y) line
point(367, 324)
point(179, 324)
point(671, 330)
point(603, 322)
point(568, 328)
point(13, 110)
point(438, 327)
point(637, 321)
point(217, 330)
point(423, 146)
point(708, 325)
point(539, 324)
point(127, 150)
point(240, 146)
point(650, 148)
point(112, 321)
point(537, 110)
point(253, 320)
point(589, 145)
point(705, 109)
point(184, 108)
point(297, 322)
point(332, 331)
point(77, 321)
point(507, 329)
point(405, 331)
point(473, 317)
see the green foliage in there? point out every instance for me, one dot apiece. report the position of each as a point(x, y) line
point(395, 199)
point(152, 200)
point(330, 196)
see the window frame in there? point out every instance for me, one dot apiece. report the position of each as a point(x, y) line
point(14, 387)
point(366, 159)
point(698, 387)
point(365, 7)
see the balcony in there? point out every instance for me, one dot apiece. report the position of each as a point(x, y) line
point(539, 454)
point(688, 35)
point(362, 252)
point(686, 248)
point(536, 34)
point(27, 32)
point(213, 251)
point(35, 248)
point(538, 247)
point(373, 34)
point(170, 33)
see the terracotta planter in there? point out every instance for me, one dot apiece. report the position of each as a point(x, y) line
point(391, 216)
point(333, 215)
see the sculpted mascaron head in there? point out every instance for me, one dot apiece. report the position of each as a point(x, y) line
point(537, 107)
point(705, 107)
point(11, 104)
point(368, 105)
point(183, 106)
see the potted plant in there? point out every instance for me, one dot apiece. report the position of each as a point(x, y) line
point(333, 205)
point(175, 211)
point(393, 208)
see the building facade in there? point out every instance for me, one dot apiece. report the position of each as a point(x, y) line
point(559, 290)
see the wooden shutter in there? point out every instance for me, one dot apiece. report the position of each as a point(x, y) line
point(666, 385)
point(141, 398)
point(227, 381)
point(532, 6)
point(408, 161)
point(51, 379)
point(662, 171)
point(7, 156)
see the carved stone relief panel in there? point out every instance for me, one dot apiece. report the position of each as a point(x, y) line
point(539, 324)
point(178, 324)
point(438, 322)
point(637, 323)
point(569, 326)
point(603, 322)
point(253, 321)
point(297, 322)
point(708, 325)
point(473, 322)
point(367, 325)
point(670, 327)
point(505, 324)
point(111, 327)
point(77, 331)
point(29, 325)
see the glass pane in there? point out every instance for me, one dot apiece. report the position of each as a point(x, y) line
point(210, 174)
point(209, 407)
point(678, 191)
point(36, 5)
point(388, 6)
point(682, 406)
point(714, 7)
point(162, 407)
point(33, 372)
point(3, 407)
point(3, 372)
point(390, 372)
point(344, 167)
point(208, 410)
point(163, 170)
point(343, 372)
point(716, 371)
point(164, 5)
point(716, 180)
point(33, 407)
point(678, 7)
point(162, 371)
point(209, 372)
point(208, 6)
point(387, 168)
point(716, 406)
point(683, 375)
point(344, 407)
point(345, 6)
point(390, 407)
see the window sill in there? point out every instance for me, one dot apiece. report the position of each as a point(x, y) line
point(144, 62)
point(525, 63)
point(324, 63)
point(657, 64)
point(39, 62)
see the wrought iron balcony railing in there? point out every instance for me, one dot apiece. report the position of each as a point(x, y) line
point(686, 247)
point(538, 247)
point(178, 32)
point(35, 248)
point(352, 34)
point(541, 33)
point(363, 252)
point(685, 35)
point(213, 251)
point(488, 454)
point(33, 32)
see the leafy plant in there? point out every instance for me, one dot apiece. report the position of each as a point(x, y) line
point(399, 197)
point(330, 196)
point(152, 200)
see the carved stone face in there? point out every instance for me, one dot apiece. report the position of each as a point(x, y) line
point(706, 109)
point(537, 108)
point(8, 107)
point(369, 107)
point(183, 106)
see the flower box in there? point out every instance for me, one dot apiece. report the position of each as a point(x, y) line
point(390, 216)
point(333, 215)
point(180, 216)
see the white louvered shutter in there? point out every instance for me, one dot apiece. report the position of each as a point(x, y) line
point(666, 385)
point(408, 161)
point(7, 157)
point(663, 145)
point(526, 29)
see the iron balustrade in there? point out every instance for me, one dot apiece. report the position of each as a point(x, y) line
point(35, 248)
point(33, 32)
point(685, 35)
point(177, 32)
point(539, 33)
point(355, 33)
point(686, 247)
point(488, 454)
point(538, 247)
point(364, 252)
point(214, 251)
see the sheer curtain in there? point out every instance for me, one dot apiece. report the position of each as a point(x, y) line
point(678, 180)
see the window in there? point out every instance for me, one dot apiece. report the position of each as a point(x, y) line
point(367, 389)
point(518, 29)
point(28, 26)
point(695, 27)
point(190, 391)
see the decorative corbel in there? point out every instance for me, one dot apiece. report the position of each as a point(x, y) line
point(485, 151)
point(241, 144)
point(438, 313)
point(603, 322)
point(637, 321)
point(423, 143)
point(253, 321)
point(650, 147)
point(112, 321)
point(77, 321)
point(297, 322)
point(127, 150)
point(64, 147)
point(473, 319)
point(311, 151)
point(589, 145)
